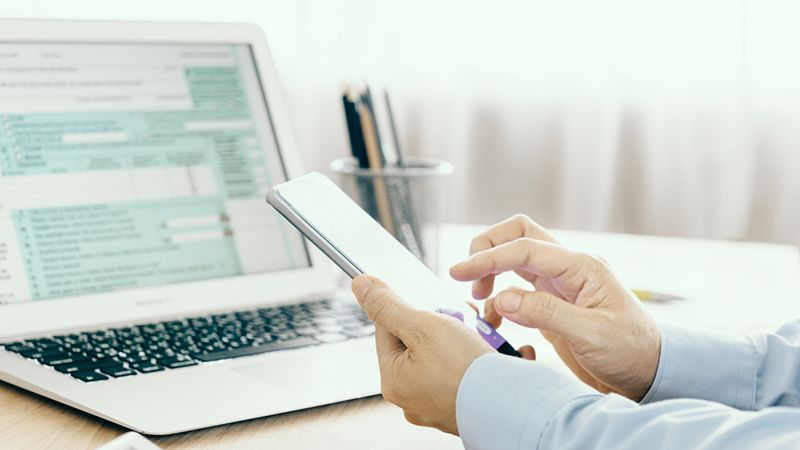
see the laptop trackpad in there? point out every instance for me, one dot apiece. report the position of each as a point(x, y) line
point(329, 370)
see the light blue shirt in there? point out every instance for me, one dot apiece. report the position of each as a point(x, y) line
point(710, 391)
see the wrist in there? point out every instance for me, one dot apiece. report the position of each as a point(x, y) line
point(683, 370)
point(650, 361)
point(504, 402)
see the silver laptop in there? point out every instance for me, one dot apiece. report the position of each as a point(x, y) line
point(143, 279)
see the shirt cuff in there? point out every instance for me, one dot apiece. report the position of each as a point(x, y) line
point(706, 366)
point(506, 403)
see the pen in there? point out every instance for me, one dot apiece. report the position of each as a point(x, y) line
point(487, 332)
point(409, 226)
point(354, 131)
point(399, 151)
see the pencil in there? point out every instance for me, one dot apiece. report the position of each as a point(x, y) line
point(376, 164)
point(649, 296)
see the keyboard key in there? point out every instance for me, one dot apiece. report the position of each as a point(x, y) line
point(146, 367)
point(59, 359)
point(175, 362)
point(285, 336)
point(366, 330)
point(19, 347)
point(117, 371)
point(247, 351)
point(178, 364)
point(350, 323)
point(325, 321)
point(36, 353)
point(330, 328)
point(135, 359)
point(89, 376)
point(306, 331)
point(49, 346)
point(104, 362)
point(40, 342)
point(74, 367)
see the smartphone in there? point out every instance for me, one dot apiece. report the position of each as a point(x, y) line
point(358, 244)
point(354, 241)
point(315, 205)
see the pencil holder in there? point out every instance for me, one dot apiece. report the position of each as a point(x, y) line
point(408, 201)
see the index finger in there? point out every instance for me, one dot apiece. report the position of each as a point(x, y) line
point(508, 230)
point(538, 257)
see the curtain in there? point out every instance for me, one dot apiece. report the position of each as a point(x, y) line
point(677, 117)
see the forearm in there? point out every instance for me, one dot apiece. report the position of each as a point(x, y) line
point(504, 403)
point(616, 422)
point(748, 373)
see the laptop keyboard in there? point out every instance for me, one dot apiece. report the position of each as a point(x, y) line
point(134, 350)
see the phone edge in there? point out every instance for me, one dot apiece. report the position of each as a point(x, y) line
point(294, 217)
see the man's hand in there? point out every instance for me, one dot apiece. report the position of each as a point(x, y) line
point(422, 355)
point(596, 325)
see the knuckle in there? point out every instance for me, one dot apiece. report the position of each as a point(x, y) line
point(526, 243)
point(597, 269)
point(592, 262)
point(523, 222)
point(478, 243)
point(600, 260)
point(603, 321)
point(521, 219)
point(527, 246)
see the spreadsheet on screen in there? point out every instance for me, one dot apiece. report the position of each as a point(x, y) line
point(127, 165)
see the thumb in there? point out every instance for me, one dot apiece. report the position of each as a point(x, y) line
point(543, 310)
point(386, 309)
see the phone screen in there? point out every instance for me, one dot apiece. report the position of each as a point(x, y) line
point(329, 217)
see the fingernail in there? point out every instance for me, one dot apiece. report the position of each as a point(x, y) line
point(362, 285)
point(509, 301)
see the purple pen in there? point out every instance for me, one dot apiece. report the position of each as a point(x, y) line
point(487, 332)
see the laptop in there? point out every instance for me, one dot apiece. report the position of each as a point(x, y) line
point(143, 279)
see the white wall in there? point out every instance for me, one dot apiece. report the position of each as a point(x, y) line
point(670, 117)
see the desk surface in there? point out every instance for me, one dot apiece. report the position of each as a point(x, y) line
point(739, 287)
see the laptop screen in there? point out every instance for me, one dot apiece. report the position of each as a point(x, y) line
point(130, 165)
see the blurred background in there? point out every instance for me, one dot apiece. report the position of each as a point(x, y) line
point(677, 117)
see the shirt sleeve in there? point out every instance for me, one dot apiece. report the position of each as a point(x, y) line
point(508, 403)
point(748, 373)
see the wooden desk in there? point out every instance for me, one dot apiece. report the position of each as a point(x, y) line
point(741, 287)
point(31, 422)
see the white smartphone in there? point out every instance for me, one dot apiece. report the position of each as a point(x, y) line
point(353, 240)
point(360, 245)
